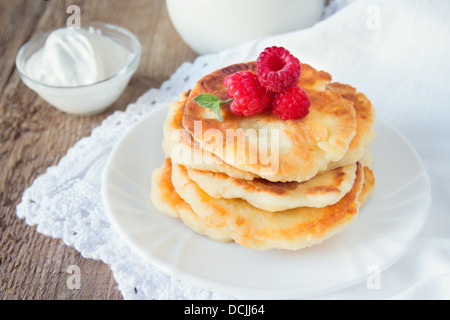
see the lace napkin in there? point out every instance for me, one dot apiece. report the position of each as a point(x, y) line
point(393, 57)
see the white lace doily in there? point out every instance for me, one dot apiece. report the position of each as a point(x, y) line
point(66, 203)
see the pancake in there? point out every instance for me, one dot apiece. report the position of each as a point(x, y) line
point(279, 151)
point(292, 229)
point(365, 120)
point(169, 202)
point(320, 191)
point(189, 153)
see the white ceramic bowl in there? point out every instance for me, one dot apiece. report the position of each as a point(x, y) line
point(87, 99)
point(214, 25)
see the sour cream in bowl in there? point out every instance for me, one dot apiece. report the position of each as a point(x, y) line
point(80, 71)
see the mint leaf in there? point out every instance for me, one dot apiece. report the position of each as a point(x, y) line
point(210, 101)
point(207, 100)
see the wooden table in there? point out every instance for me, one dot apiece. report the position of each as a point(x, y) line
point(34, 136)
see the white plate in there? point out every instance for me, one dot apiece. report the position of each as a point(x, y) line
point(383, 231)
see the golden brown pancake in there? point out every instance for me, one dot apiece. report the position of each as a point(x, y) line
point(258, 229)
point(320, 191)
point(303, 146)
point(365, 120)
point(359, 148)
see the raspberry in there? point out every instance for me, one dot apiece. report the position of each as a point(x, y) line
point(278, 69)
point(291, 104)
point(250, 97)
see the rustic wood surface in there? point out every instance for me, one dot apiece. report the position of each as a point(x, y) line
point(34, 136)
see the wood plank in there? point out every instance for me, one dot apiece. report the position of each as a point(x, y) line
point(13, 32)
point(34, 136)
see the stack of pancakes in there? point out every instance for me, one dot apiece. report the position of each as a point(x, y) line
point(263, 182)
